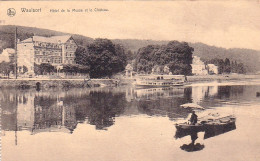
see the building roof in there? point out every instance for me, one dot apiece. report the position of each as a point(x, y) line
point(129, 67)
point(53, 39)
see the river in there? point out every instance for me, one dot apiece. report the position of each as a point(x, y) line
point(127, 123)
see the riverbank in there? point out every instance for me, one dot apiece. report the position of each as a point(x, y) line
point(24, 83)
point(55, 83)
point(230, 77)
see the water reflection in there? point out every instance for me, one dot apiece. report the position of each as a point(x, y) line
point(164, 106)
point(49, 111)
point(192, 146)
point(104, 107)
point(62, 110)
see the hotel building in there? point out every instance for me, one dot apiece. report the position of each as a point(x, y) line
point(56, 50)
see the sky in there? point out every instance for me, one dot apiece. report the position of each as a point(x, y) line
point(228, 24)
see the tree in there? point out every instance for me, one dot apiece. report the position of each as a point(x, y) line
point(176, 55)
point(6, 68)
point(129, 56)
point(81, 56)
point(227, 66)
point(237, 67)
point(43, 69)
point(144, 62)
point(74, 69)
point(241, 68)
point(105, 58)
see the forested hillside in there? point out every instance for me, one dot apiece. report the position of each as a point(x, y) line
point(250, 58)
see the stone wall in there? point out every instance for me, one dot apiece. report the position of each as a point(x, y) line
point(81, 83)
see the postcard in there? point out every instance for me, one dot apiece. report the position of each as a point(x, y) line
point(130, 80)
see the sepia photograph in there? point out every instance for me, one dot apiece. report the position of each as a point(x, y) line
point(130, 80)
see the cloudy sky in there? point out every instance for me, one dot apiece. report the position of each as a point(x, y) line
point(222, 23)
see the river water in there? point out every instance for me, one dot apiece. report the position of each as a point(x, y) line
point(127, 123)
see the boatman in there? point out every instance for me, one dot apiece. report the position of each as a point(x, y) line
point(193, 118)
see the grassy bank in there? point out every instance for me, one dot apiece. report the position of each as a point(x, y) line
point(230, 77)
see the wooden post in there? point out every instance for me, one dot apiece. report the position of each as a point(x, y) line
point(16, 56)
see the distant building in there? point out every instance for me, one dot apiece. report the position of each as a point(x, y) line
point(56, 50)
point(166, 70)
point(157, 69)
point(160, 69)
point(8, 55)
point(212, 69)
point(129, 70)
point(198, 66)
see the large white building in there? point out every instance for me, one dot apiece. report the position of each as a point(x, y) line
point(56, 50)
point(198, 66)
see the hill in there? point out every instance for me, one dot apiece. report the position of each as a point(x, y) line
point(7, 35)
point(250, 58)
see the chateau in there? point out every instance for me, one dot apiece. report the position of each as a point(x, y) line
point(200, 68)
point(56, 50)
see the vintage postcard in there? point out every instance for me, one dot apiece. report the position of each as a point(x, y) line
point(130, 80)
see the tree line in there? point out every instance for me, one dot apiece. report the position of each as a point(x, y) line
point(176, 55)
point(227, 66)
point(102, 58)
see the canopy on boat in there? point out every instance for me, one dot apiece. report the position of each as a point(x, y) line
point(192, 105)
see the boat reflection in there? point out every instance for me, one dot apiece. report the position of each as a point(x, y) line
point(209, 131)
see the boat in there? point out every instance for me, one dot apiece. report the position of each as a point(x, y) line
point(207, 123)
point(212, 130)
point(185, 129)
point(220, 125)
point(159, 80)
point(189, 127)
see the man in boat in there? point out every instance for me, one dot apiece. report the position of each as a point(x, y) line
point(193, 118)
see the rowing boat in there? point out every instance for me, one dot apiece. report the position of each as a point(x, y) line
point(186, 126)
point(207, 123)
